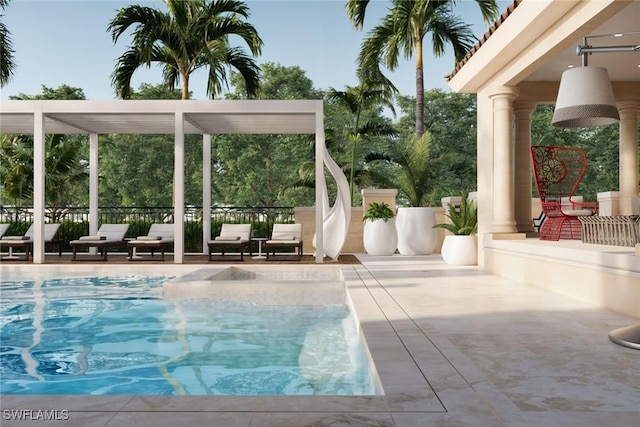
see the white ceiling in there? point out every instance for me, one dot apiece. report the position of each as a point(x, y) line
point(622, 66)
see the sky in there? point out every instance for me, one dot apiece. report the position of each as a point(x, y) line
point(60, 42)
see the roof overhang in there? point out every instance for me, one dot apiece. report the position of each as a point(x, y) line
point(538, 40)
point(159, 116)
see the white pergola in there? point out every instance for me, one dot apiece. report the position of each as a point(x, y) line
point(179, 118)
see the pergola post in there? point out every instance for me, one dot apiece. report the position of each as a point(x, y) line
point(206, 191)
point(319, 186)
point(178, 188)
point(38, 185)
point(93, 187)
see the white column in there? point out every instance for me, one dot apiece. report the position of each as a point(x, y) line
point(319, 185)
point(206, 191)
point(522, 179)
point(628, 154)
point(93, 186)
point(38, 186)
point(503, 160)
point(178, 188)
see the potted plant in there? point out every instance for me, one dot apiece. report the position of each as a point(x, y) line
point(461, 247)
point(380, 235)
point(417, 175)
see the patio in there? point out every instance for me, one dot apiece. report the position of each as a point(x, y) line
point(453, 346)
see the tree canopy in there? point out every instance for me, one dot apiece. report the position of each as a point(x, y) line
point(190, 35)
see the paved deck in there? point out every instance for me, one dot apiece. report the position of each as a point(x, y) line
point(453, 346)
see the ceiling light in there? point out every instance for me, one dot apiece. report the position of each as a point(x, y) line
point(585, 97)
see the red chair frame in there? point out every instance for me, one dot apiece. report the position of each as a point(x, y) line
point(558, 172)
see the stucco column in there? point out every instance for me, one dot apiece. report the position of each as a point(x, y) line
point(628, 154)
point(522, 180)
point(503, 160)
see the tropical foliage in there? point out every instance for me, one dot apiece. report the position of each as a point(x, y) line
point(62, 164)
point(378, 210)
point(65, 162)
point(254, 170)
point(190, 35)
point(370, 93)
point(410, 166)
point(7, 64)
point(403, 30)
point(464, 219)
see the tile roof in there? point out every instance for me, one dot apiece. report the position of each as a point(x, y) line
point(484, 38)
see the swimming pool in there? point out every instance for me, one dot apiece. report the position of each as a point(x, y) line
point(118, 335)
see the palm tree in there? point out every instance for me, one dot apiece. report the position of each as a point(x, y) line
point(371, 92)
point(192, 34)
point(403, 30)
point(6, 59)
point(63, 167)
point(410, 166)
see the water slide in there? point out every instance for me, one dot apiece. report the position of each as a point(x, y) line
point(337, 217)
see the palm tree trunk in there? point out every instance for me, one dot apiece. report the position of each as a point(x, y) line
point(185, 86)
point(419, 90)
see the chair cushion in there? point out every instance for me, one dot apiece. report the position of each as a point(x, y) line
point(15, 237)
point(227, 237)
point(279, 236)
point(578, 212)
point(92, 238)
point(149, 238)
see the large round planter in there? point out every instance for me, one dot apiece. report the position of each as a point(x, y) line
point(416, 235)
point(460, 250)
point(380, 237)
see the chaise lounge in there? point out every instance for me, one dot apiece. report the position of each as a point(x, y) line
point(232, 236)
point(159, 237)
point(109, 235)
point(26, 241)
point(284, 236)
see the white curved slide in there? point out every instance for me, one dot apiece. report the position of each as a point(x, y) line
point(335, 224)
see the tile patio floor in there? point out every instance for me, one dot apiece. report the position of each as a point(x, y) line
point(452, 347)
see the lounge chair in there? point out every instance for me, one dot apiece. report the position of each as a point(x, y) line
point(159, 237)
point(26, 241)
point(232, 236)
point(109, 235)
point(284, 236)
point(4, 228)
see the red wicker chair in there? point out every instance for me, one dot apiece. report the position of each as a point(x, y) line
point(558, 172)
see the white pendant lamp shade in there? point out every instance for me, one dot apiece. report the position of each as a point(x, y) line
point(585, 99)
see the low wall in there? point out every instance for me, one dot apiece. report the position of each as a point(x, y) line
point(605, 276)
point(353, 245)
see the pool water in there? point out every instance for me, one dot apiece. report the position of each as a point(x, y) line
point(105, 335)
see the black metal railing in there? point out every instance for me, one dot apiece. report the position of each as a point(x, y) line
point(74, 221)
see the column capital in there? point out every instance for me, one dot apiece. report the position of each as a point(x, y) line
point(629, 107)
point(524, 106)
point(508, 92)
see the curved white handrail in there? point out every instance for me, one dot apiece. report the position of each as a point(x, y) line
point(335, 224)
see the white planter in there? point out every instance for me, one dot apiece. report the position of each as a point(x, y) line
point(460, 250)
point(380, 238)
point(416, 235)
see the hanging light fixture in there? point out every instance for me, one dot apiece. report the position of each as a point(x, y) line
point(585, 97)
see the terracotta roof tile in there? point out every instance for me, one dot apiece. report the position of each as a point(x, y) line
point(492, 29)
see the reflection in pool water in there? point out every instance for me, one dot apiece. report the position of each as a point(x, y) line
point(106, 335)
